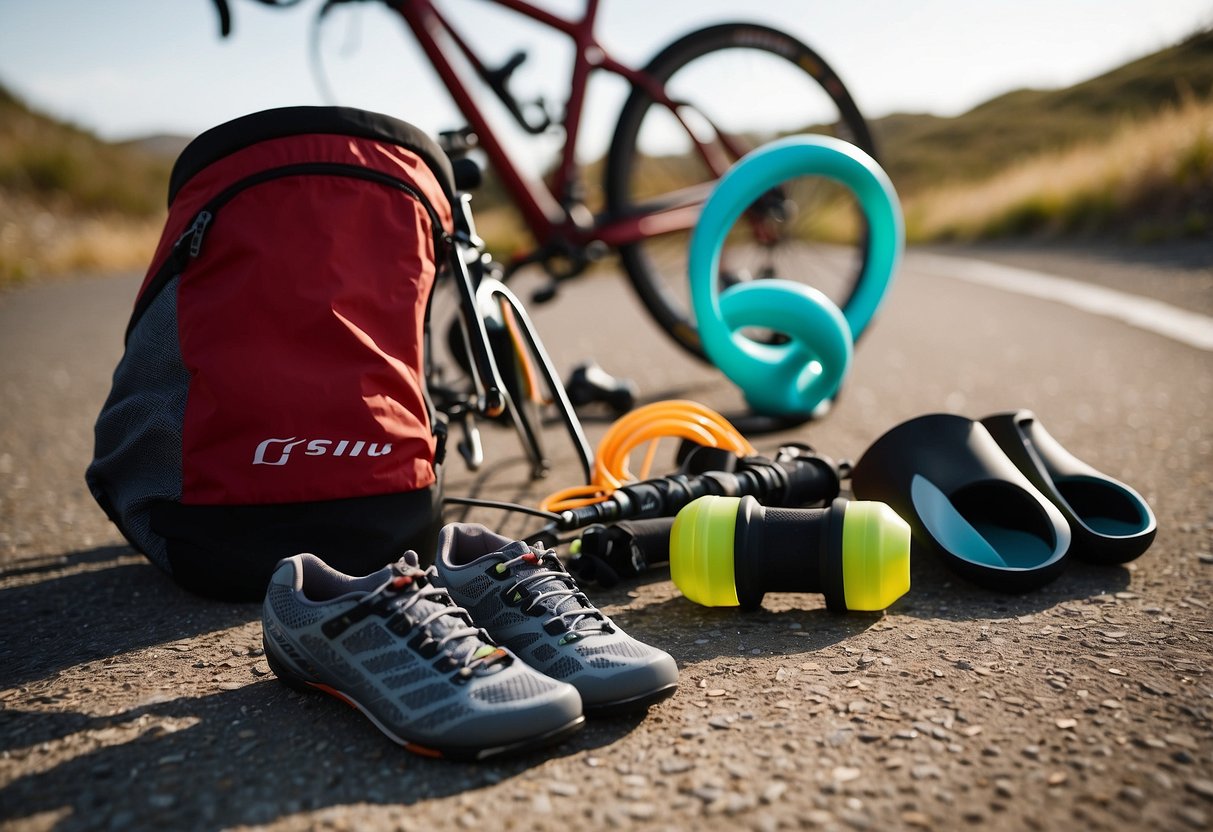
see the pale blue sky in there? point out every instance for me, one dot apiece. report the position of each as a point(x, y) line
point(125, 68)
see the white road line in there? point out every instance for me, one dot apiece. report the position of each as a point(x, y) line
point(1189, 328)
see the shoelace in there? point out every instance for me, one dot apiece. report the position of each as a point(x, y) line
point(548, 570)
point(408, 588)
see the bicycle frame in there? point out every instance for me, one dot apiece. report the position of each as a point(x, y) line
point(548, 212)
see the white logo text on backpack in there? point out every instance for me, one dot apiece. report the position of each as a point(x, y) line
point(278, 451)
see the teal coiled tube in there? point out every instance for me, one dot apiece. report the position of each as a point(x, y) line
point(791, 378)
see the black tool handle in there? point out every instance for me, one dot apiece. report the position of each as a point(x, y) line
point(796, 477)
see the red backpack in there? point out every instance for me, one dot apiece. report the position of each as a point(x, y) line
point(272, 396)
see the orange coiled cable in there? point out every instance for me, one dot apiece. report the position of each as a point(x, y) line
point(651, 423)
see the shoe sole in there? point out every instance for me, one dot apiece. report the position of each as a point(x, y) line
point(424, 749)
point(633, 704)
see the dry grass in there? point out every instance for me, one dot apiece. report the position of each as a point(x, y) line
point(1153, 178)
point(38, 240)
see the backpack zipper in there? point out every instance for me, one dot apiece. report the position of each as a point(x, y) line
point(189, 244)
point(194, 233)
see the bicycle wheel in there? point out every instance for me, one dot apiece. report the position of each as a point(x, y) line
point(736, 86)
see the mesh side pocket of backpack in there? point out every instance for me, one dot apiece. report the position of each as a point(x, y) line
point(137, 441)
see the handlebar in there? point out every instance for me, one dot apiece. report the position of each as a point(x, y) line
point(225, 11)
point(532, 116)
point(225, 17)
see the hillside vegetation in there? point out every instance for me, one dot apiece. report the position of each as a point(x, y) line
point(69, 201)
point(922, 151)
point(1127, 153)
point(1150, 180)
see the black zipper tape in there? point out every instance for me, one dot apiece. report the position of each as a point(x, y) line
point(189, 245)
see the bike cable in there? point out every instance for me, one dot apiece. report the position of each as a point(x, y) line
point(500, 504)
point(316, 57)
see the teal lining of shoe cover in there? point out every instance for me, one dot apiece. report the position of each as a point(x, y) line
point(1109, 522)
point(989, 523)
point(1103, 506)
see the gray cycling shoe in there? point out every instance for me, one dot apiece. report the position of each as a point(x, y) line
point(527, 602)
point(395, 647)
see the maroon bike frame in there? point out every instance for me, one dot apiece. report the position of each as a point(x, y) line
point(548, 220)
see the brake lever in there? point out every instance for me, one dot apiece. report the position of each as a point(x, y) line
point(225, 11)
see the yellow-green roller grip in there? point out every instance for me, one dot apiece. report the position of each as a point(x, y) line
point(701, 551)
point(875, 556)
point(729, 551)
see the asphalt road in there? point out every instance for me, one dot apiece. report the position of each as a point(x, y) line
point(1088, 704)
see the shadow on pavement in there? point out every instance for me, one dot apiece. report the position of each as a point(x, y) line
point(209, 760)
point(108, 603)
point(238, 757)
point(691, 632)
point(936, 592)
point(262, 752)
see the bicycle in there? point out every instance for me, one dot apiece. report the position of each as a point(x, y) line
point(673, 140)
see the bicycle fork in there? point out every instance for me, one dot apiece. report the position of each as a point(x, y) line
point(483, 297)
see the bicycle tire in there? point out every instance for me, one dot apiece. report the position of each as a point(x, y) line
point(662, 287)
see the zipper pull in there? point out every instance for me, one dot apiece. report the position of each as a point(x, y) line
point(194, 234)
point(197, 230)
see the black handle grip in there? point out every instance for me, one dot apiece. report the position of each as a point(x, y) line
point(796, 477)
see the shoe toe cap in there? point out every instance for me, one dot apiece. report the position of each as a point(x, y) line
point(522, 704)
point(638, 681)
